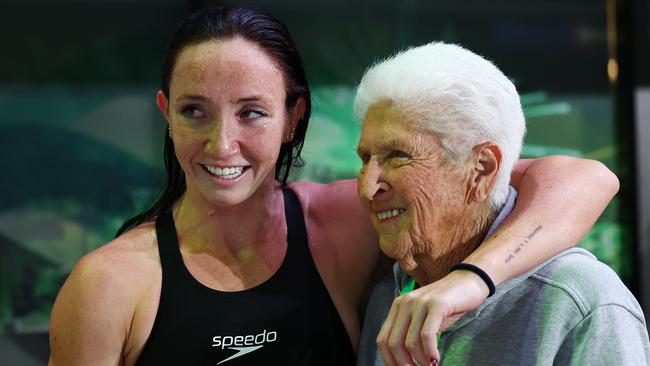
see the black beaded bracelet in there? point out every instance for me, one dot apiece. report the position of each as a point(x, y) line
point(481, 273)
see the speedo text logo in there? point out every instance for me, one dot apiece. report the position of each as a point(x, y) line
point(243, 344)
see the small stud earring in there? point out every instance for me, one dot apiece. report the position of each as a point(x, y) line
point(292, 133)
point(169, 131)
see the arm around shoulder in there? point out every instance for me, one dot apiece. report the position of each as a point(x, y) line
point(560, 198)
point(581, 188)
point(337, 206)
point(91, 316)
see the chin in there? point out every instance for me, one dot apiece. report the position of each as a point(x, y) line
point(392, 248)
point(226, 199)
point(386, 247)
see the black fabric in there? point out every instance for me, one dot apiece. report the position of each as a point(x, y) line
point(287, 320)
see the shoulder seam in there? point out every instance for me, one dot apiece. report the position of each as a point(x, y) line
point(639, 319)
point(579, 301)
point(608, 305)
point(585, 316)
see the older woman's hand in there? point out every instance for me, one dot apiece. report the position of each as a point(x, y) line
point(408, 335)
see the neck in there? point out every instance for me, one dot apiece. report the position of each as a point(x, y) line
point(459, 242)
point(259, 220)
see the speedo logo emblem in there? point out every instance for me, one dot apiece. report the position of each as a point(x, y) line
point(243, 344)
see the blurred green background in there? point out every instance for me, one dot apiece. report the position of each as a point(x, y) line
point(81, 138)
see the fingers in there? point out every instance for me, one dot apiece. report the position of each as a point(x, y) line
point(400, 340)
point(390, 340)
point(396, 341)
point(387, 356)
point(421, 339)
point(408, 334)
point(428, 335)
point(384, 334)
point(414, 341)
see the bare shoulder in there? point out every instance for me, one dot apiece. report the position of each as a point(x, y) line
point(338, 225)
point(93, 313)
point(333, 201)
point(135, 247)
point(123, 263)
point(335, 209)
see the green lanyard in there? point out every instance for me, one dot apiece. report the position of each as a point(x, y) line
point(408, 287)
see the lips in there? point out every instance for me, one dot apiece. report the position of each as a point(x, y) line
point(388, 214)
point(229, 172)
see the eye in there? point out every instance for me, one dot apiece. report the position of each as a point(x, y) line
point(398, 154)
point(252, 113)
point(192, 111)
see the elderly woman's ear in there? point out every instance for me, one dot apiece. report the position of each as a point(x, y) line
point(484, 166)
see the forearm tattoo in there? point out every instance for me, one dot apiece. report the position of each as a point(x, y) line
point(523, 243)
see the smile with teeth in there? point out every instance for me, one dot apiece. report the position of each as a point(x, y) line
point(225, 173)
point(390, 213)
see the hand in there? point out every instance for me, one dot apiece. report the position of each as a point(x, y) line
point(408, 336)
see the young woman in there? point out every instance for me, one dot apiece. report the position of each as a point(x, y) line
point(230, 266)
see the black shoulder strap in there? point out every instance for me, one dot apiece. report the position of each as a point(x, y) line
point(296, 230)
point(300, 266)
point(170, 254)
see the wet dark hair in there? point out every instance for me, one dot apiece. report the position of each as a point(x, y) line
point(268, 33)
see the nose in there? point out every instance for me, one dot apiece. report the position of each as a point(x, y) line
point(222, 140)
point(370, 182)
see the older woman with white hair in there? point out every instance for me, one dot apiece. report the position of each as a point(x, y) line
point(442, 130)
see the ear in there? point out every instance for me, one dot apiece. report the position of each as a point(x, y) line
point(484, 167)
point(295, 114)
point(163, 104)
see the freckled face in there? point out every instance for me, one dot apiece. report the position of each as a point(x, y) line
point(227, 114)
point(413, 194)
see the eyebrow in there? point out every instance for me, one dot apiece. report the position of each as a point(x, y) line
point(391, 144)
point(191, 97)
point(252, 98)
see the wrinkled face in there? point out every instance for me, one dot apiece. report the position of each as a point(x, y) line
point(415, 197)
point(226, 111)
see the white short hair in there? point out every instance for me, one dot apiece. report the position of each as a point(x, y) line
point(456, 94)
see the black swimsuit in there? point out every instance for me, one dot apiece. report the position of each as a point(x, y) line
point(287, 320)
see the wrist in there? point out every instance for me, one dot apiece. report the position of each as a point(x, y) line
point(491, 264)
point(469, 285)
point(477, 276)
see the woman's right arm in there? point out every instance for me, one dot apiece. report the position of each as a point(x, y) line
point(92, 314)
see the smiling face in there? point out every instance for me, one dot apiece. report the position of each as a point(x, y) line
point(227, 114)
point(417, 199)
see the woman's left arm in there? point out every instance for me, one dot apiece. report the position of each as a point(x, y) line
point(560, 198)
